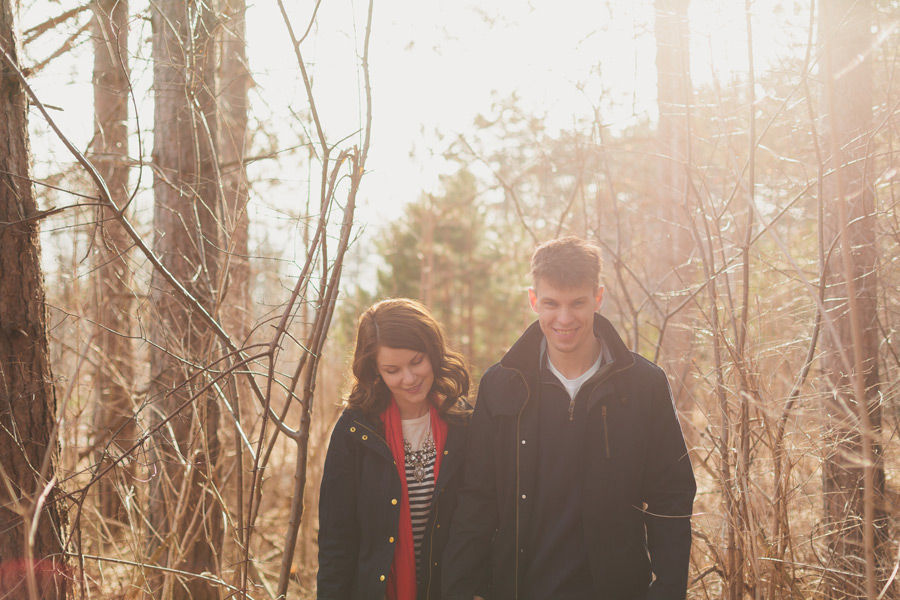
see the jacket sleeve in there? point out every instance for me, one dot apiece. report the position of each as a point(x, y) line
point(668, 490)
point(468, 553)
point(338, 523)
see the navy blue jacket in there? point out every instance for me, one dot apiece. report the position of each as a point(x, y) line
point(359, 511)
point(637, 490)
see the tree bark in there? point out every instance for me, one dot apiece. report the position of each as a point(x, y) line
point(113, 412)
point(234, 82)
point(30, 565)
point(853, 469)
point(185, 516)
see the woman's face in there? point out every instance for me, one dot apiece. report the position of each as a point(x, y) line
point(409, 377)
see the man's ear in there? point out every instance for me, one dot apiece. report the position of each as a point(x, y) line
point(532, 298)
point(598, 299)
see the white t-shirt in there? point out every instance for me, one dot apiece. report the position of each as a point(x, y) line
point(573, 385)
point(415, 430)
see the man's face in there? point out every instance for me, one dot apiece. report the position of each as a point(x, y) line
point(566, 315)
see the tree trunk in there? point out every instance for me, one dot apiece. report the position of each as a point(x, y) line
point(853, 469)
point(184, 514)
point(426, 278)
point(234, 81)
point(30, 565)
point(113, 413)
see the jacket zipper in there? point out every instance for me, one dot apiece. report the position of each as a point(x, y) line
point(605, 430)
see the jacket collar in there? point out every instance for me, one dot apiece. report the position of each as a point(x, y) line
point(525, 354)
point(369, 432)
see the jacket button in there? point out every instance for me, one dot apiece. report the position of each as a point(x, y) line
point(393, 501)
point(446, 452)
point(381, 578)
point(438, 525)
point(523, 442)
point(391, 539)
point(523, 496)
point(365, 437)
point(353, 430)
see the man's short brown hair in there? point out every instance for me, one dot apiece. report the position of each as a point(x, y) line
point(567, 263)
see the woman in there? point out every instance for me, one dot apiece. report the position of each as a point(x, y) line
point(394, 463)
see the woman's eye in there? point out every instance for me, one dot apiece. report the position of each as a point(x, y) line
point(416, 361)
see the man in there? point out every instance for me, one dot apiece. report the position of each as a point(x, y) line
point(578, 483)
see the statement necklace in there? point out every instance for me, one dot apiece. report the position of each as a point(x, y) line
point(419, 458)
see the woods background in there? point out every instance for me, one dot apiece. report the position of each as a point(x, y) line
point(178, 292)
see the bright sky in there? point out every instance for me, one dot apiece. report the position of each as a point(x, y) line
point(434, 66)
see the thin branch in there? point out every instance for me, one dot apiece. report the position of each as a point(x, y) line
point(29, 35)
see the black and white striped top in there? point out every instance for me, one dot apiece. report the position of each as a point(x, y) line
point(419, 502)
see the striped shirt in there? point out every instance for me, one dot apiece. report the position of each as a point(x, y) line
point(419, 502)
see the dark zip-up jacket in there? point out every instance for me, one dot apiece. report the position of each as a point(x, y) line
point(637, 484)
point(359, 511)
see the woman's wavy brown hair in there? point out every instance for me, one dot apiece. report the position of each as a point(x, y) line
point(405, 324)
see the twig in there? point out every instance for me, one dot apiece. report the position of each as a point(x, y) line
point(146, 565)
point(30, 34)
